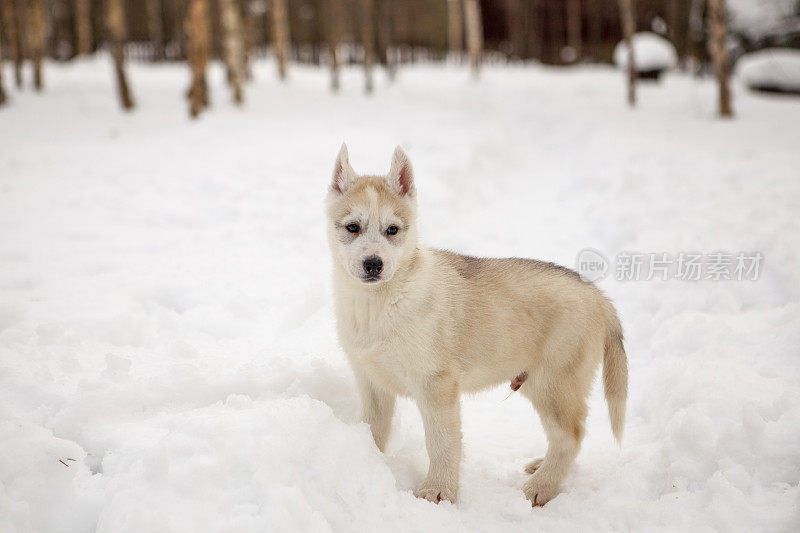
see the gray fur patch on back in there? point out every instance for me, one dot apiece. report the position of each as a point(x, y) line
point(469, 266)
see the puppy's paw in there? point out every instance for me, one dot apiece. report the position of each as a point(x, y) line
point(534, 465)
point(435, 491)
point(539, 491)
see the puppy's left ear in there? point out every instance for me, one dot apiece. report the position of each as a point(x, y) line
point(401, 175)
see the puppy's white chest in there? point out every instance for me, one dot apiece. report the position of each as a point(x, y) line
point(380, 342)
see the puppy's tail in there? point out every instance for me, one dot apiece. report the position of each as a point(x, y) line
point(615, 377)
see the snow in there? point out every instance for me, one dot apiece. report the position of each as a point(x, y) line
point(773, 68)
point(166, 319)
point(756, 18)
point(650, 52)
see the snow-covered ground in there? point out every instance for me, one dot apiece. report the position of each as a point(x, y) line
point(168, 360)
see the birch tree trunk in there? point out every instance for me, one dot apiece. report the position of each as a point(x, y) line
point(280, 35)
point(117, 34)
point(83, 27)
point(155, 27)
point(368, 41)
point(626, 14)
point(333, 24)
point(233, 47)
point(197, 46)
point(455, 29)
point(11, 20)
point(36, 19)
point(574, 28)
point(718, 26)
point(474, 24)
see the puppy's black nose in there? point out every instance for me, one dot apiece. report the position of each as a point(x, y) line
point(373, 265)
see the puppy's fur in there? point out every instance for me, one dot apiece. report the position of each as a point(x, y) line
point(431, 324)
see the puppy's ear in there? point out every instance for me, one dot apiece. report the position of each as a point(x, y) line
point(401, 175)
point(343, 174)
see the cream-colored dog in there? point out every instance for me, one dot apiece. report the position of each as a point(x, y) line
point(430, 324)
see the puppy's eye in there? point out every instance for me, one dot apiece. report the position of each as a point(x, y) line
point(352, 228)
point(391, 230)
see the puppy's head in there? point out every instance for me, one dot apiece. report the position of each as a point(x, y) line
point(372, 219)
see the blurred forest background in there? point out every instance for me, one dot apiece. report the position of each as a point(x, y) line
point(386, 33)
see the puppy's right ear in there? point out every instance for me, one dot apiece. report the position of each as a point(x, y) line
point(343, 174)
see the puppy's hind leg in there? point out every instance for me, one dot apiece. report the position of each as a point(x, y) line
point(563, 419)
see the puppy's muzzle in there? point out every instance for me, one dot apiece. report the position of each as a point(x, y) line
point(373, 265)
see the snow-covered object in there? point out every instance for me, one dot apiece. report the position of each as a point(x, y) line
point(650, 52)
point(756, 18)
point(166, 318)
point(775, 69)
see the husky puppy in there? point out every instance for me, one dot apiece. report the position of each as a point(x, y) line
point(431, 324)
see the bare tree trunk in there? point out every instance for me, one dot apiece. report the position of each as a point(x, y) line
point(628, 29)
point(2, 84)
point(117, 34)
point(574, 28)
point(36, 19)
point(62, 36)
point(673, 23)
point(535, 29)
point(695, 34)
point(516, 22)
point(11, 20)
point(555, 23)
point(385, 36)
point(402, 28)
point(455, 29)
point(595, 14)
point(280, 35)
point(333, 34)
point(249, 32)
point(197, 45)
point(155, 27)
point(233, 47)
point(678, 15)
point(718, 25)
point(177, 15)
point(474, 23)
point(83, 27)
point(368, 41)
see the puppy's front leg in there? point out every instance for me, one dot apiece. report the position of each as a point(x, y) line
point(440, 407)
point(377, 408)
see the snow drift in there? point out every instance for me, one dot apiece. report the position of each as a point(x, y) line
point(772, 69)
